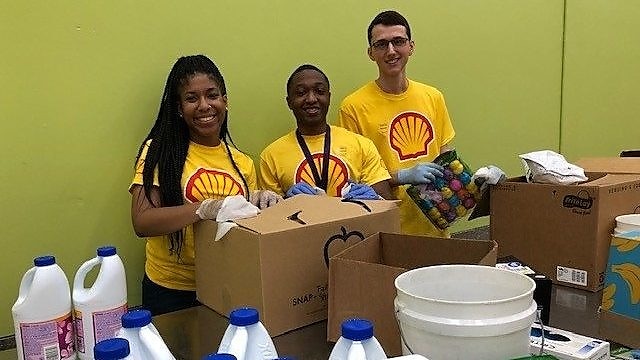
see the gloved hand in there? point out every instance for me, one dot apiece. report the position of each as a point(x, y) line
point(301, 188)
point(488, 175)
point(209, 209)
point(361, 192)
point(423, 173)
point(264, 198)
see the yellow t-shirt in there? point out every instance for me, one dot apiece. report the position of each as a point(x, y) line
point(407, 129)
point(351, 157)
point(207, 174)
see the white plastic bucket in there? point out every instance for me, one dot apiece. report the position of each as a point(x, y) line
point(626, 223)
point(449, 312)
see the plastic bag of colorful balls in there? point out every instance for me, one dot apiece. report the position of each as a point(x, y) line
point(450, 197)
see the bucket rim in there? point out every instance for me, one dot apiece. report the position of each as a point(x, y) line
point(526, 294)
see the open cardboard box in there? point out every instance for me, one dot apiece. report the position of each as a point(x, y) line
point(277, 262)
point(362, 277)
point(611, 165)
point(563, 231)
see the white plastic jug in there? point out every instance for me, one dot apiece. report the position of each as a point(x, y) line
point(42, 313)
point(357, 342)
point(246, 338)
point(112, 349)
point(219, 356)
point(144, 339)
point(98, 309)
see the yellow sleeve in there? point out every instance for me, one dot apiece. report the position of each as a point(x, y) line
point(373, 167)
point(347, 120)
point(267, 176)
point(252, 180)
point(137, 177)
point(447, 131)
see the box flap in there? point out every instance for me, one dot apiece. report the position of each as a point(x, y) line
point(305, 210)
point(612, 165)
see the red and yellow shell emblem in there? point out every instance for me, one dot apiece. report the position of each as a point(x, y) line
point(338, 173)
point(211, 184)
point(410, 134)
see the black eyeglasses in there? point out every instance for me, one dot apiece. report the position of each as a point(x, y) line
point(383, 44)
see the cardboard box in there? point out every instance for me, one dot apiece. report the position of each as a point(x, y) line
point(277, 262)
point(562, 230)
point(362, 277)
point(621, 295)
point(611, 165)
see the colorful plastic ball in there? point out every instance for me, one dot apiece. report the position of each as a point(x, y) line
point(443, 206)
point(456, 166)
point(448, 174)
point(465, 177)
point(430, 186)
point(426, 204)
point(461, 210)
point(469, 202)
point(434, 213)
point(451, 215)
point(440, 183)
point(471, 187)
point(454, 201)
point(446, 192)
point(462, 193)
point(434, 196)
point(455, 184)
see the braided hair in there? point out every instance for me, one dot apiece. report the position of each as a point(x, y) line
point(170, 139)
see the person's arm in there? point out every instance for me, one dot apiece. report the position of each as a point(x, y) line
point(383, 188)
point(149, 220)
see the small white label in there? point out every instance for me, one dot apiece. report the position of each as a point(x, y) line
point(572, 276)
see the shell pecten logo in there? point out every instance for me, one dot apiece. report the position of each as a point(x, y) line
point(338, 173)
point(410, 134)
point(211, 184)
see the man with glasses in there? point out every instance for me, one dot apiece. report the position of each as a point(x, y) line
point(408, 121)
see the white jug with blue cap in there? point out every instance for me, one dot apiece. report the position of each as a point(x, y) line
point(98, 308)
point(144, 339)
point(357, 342)
point(112, 349)
point(246, 338)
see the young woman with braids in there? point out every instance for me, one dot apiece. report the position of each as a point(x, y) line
point(184, 170)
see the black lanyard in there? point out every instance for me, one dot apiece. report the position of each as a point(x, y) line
point(321, 182)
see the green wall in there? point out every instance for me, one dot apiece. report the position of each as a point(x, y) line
point(81, 83)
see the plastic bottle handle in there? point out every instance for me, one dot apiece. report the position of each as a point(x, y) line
point(239, 342)
point(356, 351)
point(78, 280)
point(155, 345)
point(25, 285)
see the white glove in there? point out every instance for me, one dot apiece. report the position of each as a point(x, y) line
point(488, 175)
point(209, 209)
point(264, 198)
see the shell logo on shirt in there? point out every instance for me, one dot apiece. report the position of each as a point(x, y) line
point(338, 173)
point(410, 134)
point(211, 184)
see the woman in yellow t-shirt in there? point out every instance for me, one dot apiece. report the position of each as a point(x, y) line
point(184, 170)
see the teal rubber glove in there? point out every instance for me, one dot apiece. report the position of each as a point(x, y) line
point(301, 188)
point(423, 173)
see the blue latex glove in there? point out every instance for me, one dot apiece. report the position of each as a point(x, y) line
point(423, 173)
point(301, 188)
point(361, 192)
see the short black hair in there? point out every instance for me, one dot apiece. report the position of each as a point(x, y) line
point(388, 18)
point(303, 68)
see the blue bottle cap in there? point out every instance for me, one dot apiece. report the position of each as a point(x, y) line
point(357, 329)
point(111, 349)
point(106, 251)
point(136, 318)
point(244, 316)
point(44, 260)
point(219, 356)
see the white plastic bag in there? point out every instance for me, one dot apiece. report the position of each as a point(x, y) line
point(548, 167)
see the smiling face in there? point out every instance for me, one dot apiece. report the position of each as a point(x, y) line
point(308, 97)
point(203, 108)
point(391, 60)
